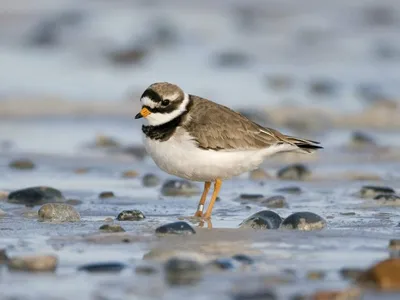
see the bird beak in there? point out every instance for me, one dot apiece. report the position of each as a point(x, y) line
point(143, 113)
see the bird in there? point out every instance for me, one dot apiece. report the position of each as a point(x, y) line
point(200, 140)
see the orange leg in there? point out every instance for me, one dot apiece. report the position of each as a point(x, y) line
point(217, 187)
point(200, 208)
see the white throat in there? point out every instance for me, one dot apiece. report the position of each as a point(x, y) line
point(155, 119)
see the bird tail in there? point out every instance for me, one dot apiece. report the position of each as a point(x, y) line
point(303, 145)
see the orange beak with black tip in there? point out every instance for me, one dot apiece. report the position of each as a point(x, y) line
point(143, 113)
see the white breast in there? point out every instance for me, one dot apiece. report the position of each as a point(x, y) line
point(181, 157)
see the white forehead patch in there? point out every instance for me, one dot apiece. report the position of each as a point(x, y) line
point(146, 101)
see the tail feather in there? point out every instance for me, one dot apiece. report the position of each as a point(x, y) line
point(304, 145)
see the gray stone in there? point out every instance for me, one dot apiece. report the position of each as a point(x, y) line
point(294, 172)
point(130, 215)
point(58, 212)
point(35, 196)
point(304, 221)
point(150, 180)
point(265, 219)
point(179, 228)
point(178, 187)
point(370, 191)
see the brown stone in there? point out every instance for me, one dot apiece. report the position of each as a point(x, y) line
point(37, 263)
point(384, 275)
point(130, 174)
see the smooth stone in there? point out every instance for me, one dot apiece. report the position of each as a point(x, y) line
point(179, 271)
point(323, 87)
point(258, 174)
point(384, 275)
point(111, 228)
point(106, 267)
point(387, 198)
point(280, 82)
point(179, 187)
point(58, 212)
point(35, 196)
point(265, 219)
point(180, 228)
point(290, 190)
point(36, 263)
point(130, 215)
point(146, 270)
point(304, 221)
point(361, 140)
point(222, 264)
point(229, 59)
point(129, 174)
point(150, 180)
point(316, 275)
point(103, 141)
point(394, 244)
point(350, 273)
point(244, 259)
point(81, 170)
point(73, 202)
point(106, 194)
point(252, 197)
point(294, 172)
point(275, 202)
point(3, 256)
point(369, 191)
point(22, 164)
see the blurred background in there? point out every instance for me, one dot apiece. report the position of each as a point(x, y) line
point(71, 70)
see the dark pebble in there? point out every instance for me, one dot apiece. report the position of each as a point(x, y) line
point(179, 187)
point(323, 87)
point(244, 259)
point(73, 202)
point(370, 191)
point(107, 194)
point(265, 219)
point(22, 164)
point(180, 271)
point(103, 141)
point(222, 264)
point(111, 228)
point(107, 267)
point(263, 294)
point(128, 56)
point(275, 202)
point(3, 256)
point(304, 221)
point(35, 196)
point(360, 140)
point(290, 190)
point(130, 215)
point(181, 228)
point(279, 82)
point(387, 197)
point(252, 197)
point(351, 273)
point(294, 172)
point(58, 212)
point(150, 180)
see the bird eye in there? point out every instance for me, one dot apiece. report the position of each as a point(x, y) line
point(165, 102)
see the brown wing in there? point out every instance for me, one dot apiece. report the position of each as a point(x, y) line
point(217, 127)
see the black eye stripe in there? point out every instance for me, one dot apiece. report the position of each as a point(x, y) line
point(149, 93)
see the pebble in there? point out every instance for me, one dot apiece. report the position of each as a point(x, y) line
point(290, 190)
point(316, 275)
point(387, 198)
point(265, 219)
point(107, 194)
point(252, 197)
point(370, 191)
point(275, 202)
point(129, 174)
point(106, 267)
point(22, 164)
point(279, 82)
point(179, 187)
point(145, 270)
point(36, 196)
point(74, 202)
point(111, 228)
point(304, 221)
point(323, 87)
point(81, 170)
point(133, 54)
point(394, 244)
point(180, 228)
point(294, 172)
point(255, 294)
point(150, 180)
point(3, 256)
point(103, 141)
point(130, 215)
point(58, 212)
point(222, 264)
point(36, 263)
point(231, 59)
point(179, 271)
point(350, 273)
point(384, 275)
point(258, 174)
point(244, 259)
point(361, 140)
